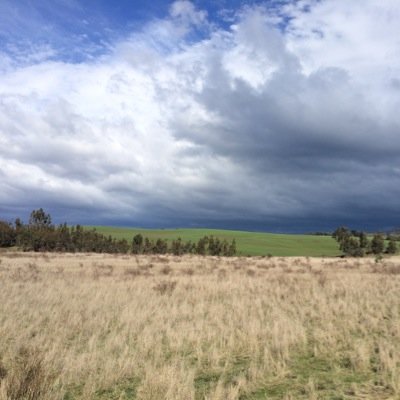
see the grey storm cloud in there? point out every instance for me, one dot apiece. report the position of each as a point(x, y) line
point(252, 126)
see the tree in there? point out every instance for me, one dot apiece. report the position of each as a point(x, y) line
point(351, 247)
point(39, 234)
point(161, 246)
point(201, 247)
point(363, 240)
point(377, 244)
point(63, 238)
point(232, 248)
point(189, 247)
point(137, 244)
point(7, 234)
point(177, 247)
point(215, 246)
point(353, 243)
point(341, 234)
point(391, 247)
point(39, 219)
point(78, 238)
point(148, 247)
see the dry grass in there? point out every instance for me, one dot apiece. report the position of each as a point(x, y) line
point(119, 327)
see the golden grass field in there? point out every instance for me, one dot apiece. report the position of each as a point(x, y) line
point(163, 327)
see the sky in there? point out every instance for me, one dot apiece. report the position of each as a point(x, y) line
point(279, 115)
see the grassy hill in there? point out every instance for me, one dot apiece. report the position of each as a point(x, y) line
point(248, 243)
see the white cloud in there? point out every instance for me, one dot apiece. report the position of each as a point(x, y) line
point(245, 123)
point(361, 36)
point(187, 12)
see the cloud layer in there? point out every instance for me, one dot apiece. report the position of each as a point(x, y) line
point(285, 118)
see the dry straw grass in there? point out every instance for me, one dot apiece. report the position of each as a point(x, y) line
point(118, 327)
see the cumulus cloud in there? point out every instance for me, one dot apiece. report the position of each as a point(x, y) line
point(189, 123)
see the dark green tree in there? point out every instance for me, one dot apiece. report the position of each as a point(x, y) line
point(39, 234)
point(177, 247)
point(148, 247)
point(391, 247)
point(351, 247)
point(363, 240)
point(8, 234)
point(63, 235)
point(377, 244)
point(340, 234)
point(39, 219)
point(201, 247)
point(137, 244)
point(161, 246)
point(232, 248)
point(78, 238)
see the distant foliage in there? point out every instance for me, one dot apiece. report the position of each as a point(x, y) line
point(7, 234)
point(378, 244)
point(349, 241)
point(205, 246)
point(40, 234)
point(356, 243)
point(391, 247)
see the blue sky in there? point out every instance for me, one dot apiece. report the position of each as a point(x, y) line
point(80, 30)
point(267, 115)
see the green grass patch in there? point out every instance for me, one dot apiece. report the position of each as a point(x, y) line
point(120, 391)
point(229, 370)
point(248, 243)
point(321, 378)
point(204, 381)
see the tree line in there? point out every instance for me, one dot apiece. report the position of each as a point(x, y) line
point(204, 246)
point(40, 234)
point(357, 243)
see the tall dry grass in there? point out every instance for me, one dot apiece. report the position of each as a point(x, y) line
point(120, 327)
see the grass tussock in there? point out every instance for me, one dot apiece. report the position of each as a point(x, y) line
point(27, 377)
point(191, 328)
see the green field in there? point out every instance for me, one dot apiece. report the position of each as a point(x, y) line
point(248, 243)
